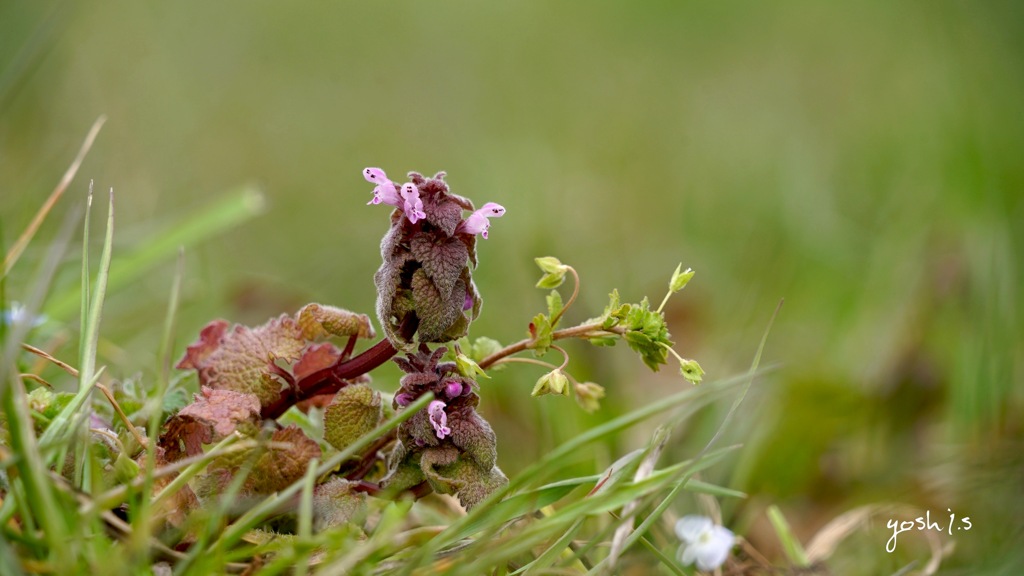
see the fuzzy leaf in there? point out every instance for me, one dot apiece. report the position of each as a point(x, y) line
point(336, 503)
point(213, 415)
point(354, 412)
point(442, 260)
point(320, 321)
point(433, 462)
point(316, 357)
point(403, 470)
point(478, 484)
point(474, 436)
point(279, 467)
point(225, 411)
point(209, 340)
point(436, 313)
point(447, 473)
point(444, 213)
point(243, 359)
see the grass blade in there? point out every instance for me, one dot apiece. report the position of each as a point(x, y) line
point(56, 433)
point(233, 209)
point(790, 544)
point(22, 242)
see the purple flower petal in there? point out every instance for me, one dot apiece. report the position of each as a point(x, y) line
point(453, 389)
point(477, 222)
point(438, 418)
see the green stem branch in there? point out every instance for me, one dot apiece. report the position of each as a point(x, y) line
point(581, 331)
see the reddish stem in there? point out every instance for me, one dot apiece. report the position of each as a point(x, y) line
point(333, 378)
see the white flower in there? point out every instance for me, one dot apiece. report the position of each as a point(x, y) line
point(704, 542)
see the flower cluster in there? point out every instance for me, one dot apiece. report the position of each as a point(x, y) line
point(428, 253)
point(448, 445)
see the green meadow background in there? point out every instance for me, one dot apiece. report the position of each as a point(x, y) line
point(863, 161)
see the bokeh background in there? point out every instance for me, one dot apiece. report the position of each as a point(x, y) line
point(865, 162)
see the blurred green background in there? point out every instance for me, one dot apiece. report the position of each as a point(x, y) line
point(864, 162)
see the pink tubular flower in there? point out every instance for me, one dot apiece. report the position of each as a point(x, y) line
point(385, 191)
point(438, 418)
point(478, 222)
point(413, 206)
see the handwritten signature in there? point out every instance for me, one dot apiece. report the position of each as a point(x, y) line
point(924, 523)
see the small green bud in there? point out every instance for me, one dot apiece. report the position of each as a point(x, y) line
point(554, 382)
point(691, 371)
point(554, 272)
point(680, 279)
point(39, 400)
point(468, 368)
point(588, 396)
point(551, 265)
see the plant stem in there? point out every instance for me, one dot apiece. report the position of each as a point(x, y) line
point(336, 377)
point(581, 331)
point(575, 293)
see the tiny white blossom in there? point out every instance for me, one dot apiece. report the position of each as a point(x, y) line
point(18, 314)
point(703, 542)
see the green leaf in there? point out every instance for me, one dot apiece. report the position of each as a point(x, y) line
point(646, 333)
point(614, 312)
point(468, 367)
point(554, 300)
point(354, 411)
point(125, 469)
point(551, 265)
point(540, 335)
point(551, 281)
point(484, 347)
